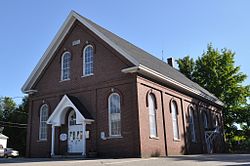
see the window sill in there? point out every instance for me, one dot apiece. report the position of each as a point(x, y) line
point(64, 80)
point(87, 75)
point(177, 140)
point(153, 137)
point(43, 140)
point(114, 137)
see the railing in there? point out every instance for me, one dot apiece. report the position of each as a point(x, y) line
point(210, 136)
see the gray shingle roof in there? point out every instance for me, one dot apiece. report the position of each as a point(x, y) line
point(150, 61)
point(85, 113)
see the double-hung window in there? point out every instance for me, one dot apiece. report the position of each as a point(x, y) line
point(114, 109)
point(43, 122)
point(205, 120)
point(174, 111)
point(192, 124)
point(65, 66)
point(152, 115)
point(88, 60)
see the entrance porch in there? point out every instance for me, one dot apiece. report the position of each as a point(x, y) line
point(70, 117)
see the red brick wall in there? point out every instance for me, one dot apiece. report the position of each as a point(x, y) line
point(92, 91)
point(164, 96)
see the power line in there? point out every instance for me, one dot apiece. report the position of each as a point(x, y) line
point(11, 123)
point(13, 126)
point(20, 112)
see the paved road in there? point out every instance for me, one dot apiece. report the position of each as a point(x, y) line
point(187, 160)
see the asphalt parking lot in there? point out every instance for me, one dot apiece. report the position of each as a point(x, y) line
point(187, 160)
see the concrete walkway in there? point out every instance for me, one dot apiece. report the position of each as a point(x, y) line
point(187, 160)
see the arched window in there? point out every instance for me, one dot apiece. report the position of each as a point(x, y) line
point(205, 120)
point(192, 124)
point(217, 121)
point(43, 122)
point(65, 66)
point(114, 108)
point(174, 111)
point(88, 60)
point(152, 115)
point(72, 118)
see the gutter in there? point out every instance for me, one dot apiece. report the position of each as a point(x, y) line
point(143, 69)
point(30, 92)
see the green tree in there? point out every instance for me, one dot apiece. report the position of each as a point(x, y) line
point(14, 120)
point(186, 66)
point(215, 70)
point(7, 106)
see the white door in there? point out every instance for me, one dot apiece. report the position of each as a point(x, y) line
point(75, 134)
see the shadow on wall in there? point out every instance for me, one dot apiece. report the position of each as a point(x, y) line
point(237, 158)
point(201, 118)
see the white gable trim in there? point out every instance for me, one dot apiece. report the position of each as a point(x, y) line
point(57, 41)
point(57, 118)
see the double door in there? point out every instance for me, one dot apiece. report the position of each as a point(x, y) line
point(75, 139)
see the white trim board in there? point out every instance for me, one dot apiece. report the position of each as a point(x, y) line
point(143, 69)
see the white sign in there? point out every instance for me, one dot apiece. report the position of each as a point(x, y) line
point(76, 42)
point(103, 137)
point(63, 137)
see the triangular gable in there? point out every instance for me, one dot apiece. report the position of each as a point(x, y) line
point(72, 17)
point(57, 118)
point(144, 62)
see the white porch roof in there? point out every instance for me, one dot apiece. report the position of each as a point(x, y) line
point(57, 118)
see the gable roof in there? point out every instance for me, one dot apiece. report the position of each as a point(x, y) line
point(58, 116)
point(143, 61)
point(83, 110)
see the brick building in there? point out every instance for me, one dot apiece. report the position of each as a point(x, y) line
point(93, 92)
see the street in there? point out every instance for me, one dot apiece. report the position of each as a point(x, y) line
point(187, 160)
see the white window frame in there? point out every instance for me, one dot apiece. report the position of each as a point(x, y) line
point(118, 115)
point(84, 74)
point(43, 122)
point(174, 112)
point(192, 124)
point(205, 120)
point(66, 68)
point(152, 115)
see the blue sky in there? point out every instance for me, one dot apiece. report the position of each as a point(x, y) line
point(177, 27)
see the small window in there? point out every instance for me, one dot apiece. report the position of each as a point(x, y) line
point(205, 120)
point(43, 122)
point(192, 124)
point(65, 66)
point(88, 60)
point(174, 111)
point(72, 118)
point(114, 108)
point(152, 115)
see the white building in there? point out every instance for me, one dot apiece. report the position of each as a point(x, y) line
point(3, 140)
